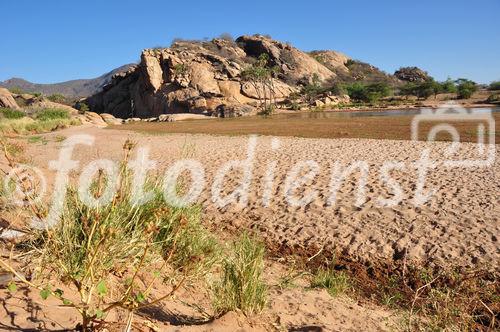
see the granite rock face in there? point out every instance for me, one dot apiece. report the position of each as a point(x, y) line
point(205, 78)
point(7, 100)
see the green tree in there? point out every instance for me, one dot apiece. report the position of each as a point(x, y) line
point(311, 90)
point(370, 93)
point(408, 89)
point(448, 86)
point(83, 108)
point(260, 76)
point(377, 91)
point(494, 86)
point(425, 90)
point(465, 88)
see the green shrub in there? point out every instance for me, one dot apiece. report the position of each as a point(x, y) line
point(466, 88)
point(448, 86)
point(113, 254)
point(57, 98)
point(180, 69)
point(368, 93)
point(335, 282)
point(241, 286)
point(52, 114)
point(311, 90)
point(423, 90)
point(494, 86)
point(10, 113)
point(83, 108)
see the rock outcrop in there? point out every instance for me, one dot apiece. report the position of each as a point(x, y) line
point(295, 65)
point(333, 60)
point(205, 78)
point(7, 100)
point(412, 74)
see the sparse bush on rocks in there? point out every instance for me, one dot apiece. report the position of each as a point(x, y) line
point(57, 98)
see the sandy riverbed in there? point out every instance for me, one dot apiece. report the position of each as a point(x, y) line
point(458, 226)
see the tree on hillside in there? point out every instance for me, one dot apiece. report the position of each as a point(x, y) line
point(465, 88)
point(312, 89)
point(260, 76)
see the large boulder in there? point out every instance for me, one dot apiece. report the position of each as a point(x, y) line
point(281, 90)
point(202, 79)
point(333, 60)
point(110, 119)
point(92, 118)
point(152, 71)
point(6, 99)
point(231, 90)
point(235, 110)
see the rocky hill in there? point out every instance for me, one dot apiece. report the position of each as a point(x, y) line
point(205, 77)
point(73, 88)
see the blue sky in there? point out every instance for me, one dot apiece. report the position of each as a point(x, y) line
point(51, 41)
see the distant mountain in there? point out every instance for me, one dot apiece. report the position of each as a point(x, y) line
point(74, 88)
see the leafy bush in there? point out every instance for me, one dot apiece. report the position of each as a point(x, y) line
point(52, 114)
point(10, 113)
point(494, 86)
point(337, 89)
point(369, 93)
point(113, 254)
point(82, 107)
point(57, 98)
point(466, 88)
point(312, 89)
point(241, 286)
point(448, 86)
point(180, 69)
point(334, 282)
point(422, 90)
